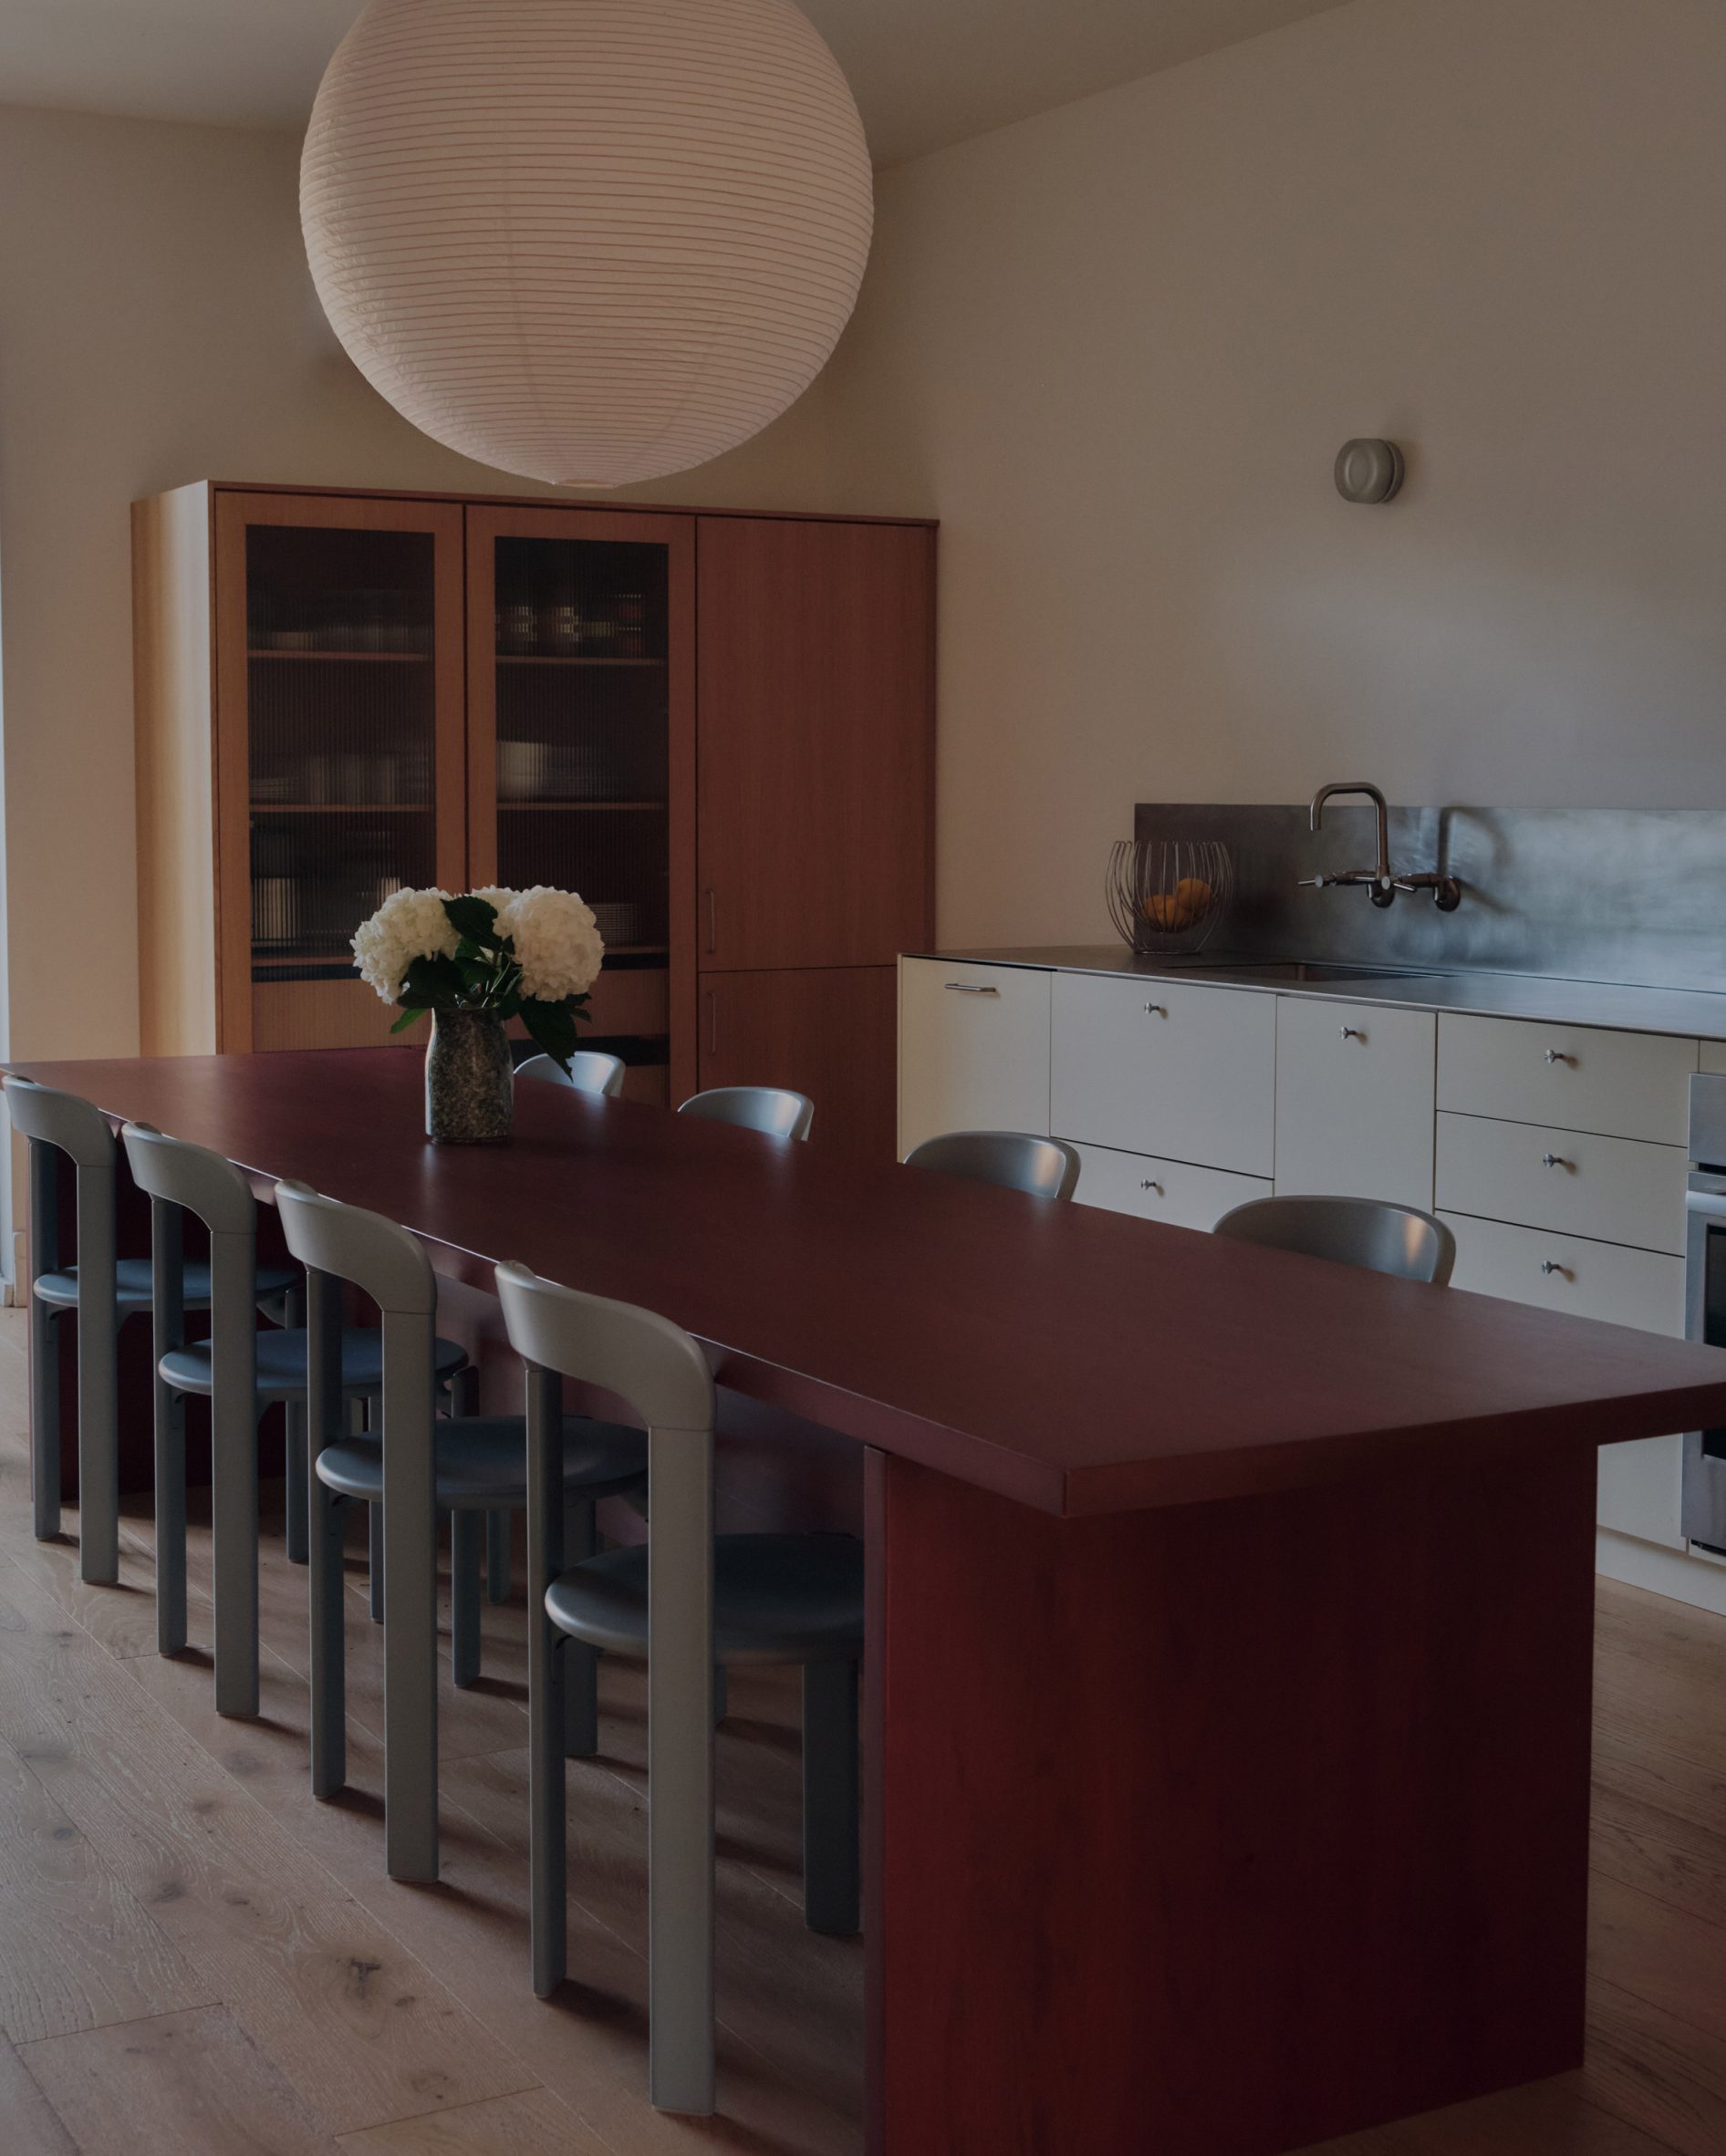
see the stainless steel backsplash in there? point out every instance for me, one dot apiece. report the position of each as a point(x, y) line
point(1625, 894)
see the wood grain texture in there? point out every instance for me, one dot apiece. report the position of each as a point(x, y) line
point(191, 2083)
point(31, 2126)
point(830, 1032)
point(816, 731)
point(1075, 1359)
point(532, 2123)
point(1308, 1773)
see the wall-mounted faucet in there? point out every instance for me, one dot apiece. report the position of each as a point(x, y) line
point(1382, 881)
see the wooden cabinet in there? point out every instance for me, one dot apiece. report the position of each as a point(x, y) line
point(815, 741)
point(1167, 1068)
point(340, 694)
point(973, 1049)
point(1354, 1100)
point(827, 1032)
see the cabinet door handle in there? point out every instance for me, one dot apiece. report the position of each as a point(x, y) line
point(712, 922)
point(1552, 1266)
point(1351, 1033)
point(1555, 1160)
point(1156, 1010)
point(1558, 1055)
point(1150, 1183)
point(967, 988)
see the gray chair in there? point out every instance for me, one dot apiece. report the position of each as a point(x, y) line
point(591, 1070)
point(241, 1374)
point(1371, 1232)
point(685, 1603)
point(412, 1469)
point(773, 1109)
point(98, 1281)
point(1040, 1167)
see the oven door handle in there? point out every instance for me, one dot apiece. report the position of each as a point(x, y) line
point(1708, 1203)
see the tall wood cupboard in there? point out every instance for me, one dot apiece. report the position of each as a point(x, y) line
point(718, 727)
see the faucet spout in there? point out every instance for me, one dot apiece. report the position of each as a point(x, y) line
point(1382, 879)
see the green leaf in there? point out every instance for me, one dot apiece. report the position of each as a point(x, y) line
point(553, 1027)
point(475, 918)
point(432, 984)
point(407, 1019)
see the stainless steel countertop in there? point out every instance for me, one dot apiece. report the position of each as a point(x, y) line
point(1698, 1013)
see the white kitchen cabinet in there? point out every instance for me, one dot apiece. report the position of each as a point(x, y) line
point(1639, 1487)
point(973, 1050)
point(1617, 1190)
point(1171, 1191)
point(1354, 1100)
point(1167, 1068)
point(1626, 1085)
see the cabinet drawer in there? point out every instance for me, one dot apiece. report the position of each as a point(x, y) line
point(1354, 1100)
point(973, 1050)
point(1626, 1085)
point(1160, 1067)
point(1171, 1191)
point(1617, 1190)
point(1565, 1272)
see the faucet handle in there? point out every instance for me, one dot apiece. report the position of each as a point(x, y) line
point(1317, 883)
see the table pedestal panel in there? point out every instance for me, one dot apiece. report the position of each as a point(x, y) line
point(1220, 1829)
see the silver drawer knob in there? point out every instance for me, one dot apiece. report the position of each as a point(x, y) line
point(1557, 1055)
point(1156, 1010)
point(1150, 1184)
point(1555, 1160)
point(1351, 1033)
point(1552, 1266)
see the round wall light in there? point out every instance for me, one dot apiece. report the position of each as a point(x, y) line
point(587, 240)
point(1368, 470)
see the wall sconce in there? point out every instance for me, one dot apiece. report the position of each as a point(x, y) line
point(1368, 470)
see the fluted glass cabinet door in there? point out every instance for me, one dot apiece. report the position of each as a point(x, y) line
point(340, 748)
point(580, 746)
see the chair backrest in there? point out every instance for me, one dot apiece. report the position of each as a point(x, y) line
point(377, 1256)
point(1040, 1167)
point(591, 1070)
point(62, 1119)
point(1371, 1232)
point(643, 1358)
point(205, 1182)
point(774, 1109)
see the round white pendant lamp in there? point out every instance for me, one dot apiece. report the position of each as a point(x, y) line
point(587, 240)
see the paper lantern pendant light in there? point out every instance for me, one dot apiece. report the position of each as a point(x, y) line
point(587, 240)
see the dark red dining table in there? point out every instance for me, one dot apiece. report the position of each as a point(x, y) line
point(1231, 1613)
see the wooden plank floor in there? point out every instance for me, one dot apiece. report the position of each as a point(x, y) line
point(195, 1955)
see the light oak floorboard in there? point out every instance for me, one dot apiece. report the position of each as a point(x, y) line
point(532, 2123)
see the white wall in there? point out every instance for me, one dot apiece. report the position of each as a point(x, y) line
point(158, 325)
point(1116, 348)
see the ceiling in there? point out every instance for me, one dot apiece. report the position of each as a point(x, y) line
point(926, 72)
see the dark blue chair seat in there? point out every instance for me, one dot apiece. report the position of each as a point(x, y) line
point(132, 1288)
point(281, 1364)
point(481, 1462)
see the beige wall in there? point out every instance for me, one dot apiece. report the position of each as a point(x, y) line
point(1116, 348)
point(157, 325)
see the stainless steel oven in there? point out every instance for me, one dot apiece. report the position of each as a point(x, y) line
point(1705, 1305)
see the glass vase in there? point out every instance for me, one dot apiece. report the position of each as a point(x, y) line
point(470, 1086)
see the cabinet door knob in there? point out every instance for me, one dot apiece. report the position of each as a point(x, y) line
point(1555, 1160)
point(1156, 1010)
point(970, 988)
point(1552, 1266)
point(1150, 1183)
point(1351, 1033)
point(1557, 1055)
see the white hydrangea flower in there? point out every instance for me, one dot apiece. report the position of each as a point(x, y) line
point(409, 925)
point(557, 942)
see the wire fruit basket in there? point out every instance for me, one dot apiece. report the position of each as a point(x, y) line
point(1166, 895)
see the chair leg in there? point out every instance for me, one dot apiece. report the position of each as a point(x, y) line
point(170, 1520)
point(375, 1537)
point(547, 1896)
point(831, 1882)
point(497, 1555)
point(45, 1418)
point(298, 1522)
point(581, 1661)
point(328, 1645)
point(466, 1534)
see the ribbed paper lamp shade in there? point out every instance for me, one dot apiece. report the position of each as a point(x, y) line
point(587, 240)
